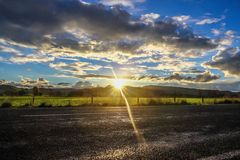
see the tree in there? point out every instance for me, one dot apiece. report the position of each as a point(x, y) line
point(22, 92)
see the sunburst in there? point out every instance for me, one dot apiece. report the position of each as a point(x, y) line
point(119, 83)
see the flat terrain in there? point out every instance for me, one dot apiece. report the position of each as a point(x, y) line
point(26, 101)
point(170, 132)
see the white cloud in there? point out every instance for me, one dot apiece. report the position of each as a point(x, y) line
point(149, 18)
point(216, 32)
point(210, 20)
point(3, 82)
point(29, 83)
point(225, 41)
point(182, 18)
point(175, 65)
point(31, 58)
point(76, 68)
point(230, 33)
point(9, 50)
point(2, 59)
point(125, 3)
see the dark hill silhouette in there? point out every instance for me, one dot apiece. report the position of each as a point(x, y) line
point(146, 91)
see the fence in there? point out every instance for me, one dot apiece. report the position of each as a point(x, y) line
point(107, 101)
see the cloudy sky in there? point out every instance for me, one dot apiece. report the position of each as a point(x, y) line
point(189, 43)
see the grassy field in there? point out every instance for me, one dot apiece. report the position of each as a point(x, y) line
point(43, 101)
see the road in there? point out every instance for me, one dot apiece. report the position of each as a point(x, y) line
point(170, 132)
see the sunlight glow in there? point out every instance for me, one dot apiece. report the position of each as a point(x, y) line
point(119, 83)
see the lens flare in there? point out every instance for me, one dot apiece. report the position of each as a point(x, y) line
point(119, 83)
point(139, 136)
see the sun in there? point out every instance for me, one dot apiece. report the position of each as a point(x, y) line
point(119, 83)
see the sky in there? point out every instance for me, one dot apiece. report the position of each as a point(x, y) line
point(76, 43)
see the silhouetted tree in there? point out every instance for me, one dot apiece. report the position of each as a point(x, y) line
point(22, 92)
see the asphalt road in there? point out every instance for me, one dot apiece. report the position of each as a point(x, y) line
point(170, 132)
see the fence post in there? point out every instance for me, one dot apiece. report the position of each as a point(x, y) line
point(174, 99)
point(35, 92)
point(91, 100)
point(201, 95)
point(33, 99)
point(202, 99)
point(120, 98)
point(138, 101)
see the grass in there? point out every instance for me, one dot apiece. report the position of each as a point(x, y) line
point(41, 101)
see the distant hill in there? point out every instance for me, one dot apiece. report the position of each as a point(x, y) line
point(9, 90)
point(146, 91)
point(235, 86)
point(167, 91)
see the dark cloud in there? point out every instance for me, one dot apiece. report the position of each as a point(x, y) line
point(179, 77)
point(205, 77)
point(29, 83)
point(227, 61)
point(27, 21)
point(30, 21)
point(63, 85)
point(148, 77)
point(95, 76)
point(191, 71)
point(86, 76)
point(144, 77)
point(127, 46)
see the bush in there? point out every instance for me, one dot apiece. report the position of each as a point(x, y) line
point(25, 105)
point(183, 102)
point(6, 105)
point(68, 105)
point(236, 101)
point(226, 101)
point(168, 103)
point(152, 102)
point(44, 105)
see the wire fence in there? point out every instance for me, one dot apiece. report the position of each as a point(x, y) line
point(108, 101)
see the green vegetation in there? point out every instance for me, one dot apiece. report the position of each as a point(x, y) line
point(45, 101)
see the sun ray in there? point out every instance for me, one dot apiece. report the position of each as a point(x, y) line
point(119, 83)
point(119, 86)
